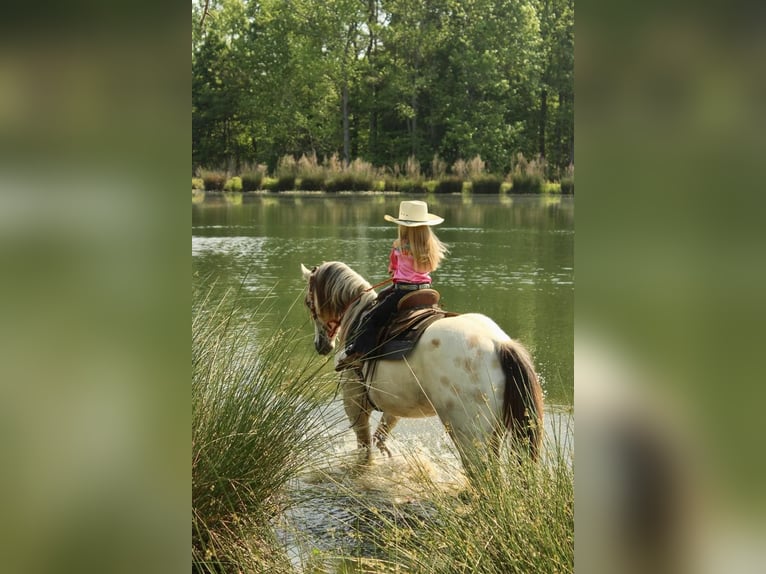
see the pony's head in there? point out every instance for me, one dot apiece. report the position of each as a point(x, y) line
point(332, 287)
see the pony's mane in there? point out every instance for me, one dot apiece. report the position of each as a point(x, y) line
point(336, 285)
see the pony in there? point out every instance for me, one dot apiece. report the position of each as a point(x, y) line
point(465, 369)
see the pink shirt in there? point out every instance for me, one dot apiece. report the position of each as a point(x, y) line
point(403, 268)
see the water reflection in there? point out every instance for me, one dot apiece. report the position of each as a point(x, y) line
point(511, 258)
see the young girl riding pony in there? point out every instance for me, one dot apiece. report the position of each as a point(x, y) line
point(414, 255)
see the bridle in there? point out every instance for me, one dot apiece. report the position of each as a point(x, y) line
point(331, 327)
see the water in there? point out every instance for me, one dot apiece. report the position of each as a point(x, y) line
point(510, 258)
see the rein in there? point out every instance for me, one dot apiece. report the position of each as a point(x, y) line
point(334, 325)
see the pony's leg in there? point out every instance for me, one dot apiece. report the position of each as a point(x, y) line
point(476, 447)
point(386, 424)
point(357, 409)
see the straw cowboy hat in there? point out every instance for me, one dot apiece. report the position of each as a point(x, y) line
point(414, 214)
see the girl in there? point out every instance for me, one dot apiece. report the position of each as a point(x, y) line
point(415, 254)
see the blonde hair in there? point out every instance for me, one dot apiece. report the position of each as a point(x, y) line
point(422, 244)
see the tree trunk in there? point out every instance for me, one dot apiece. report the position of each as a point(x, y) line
point(543, 121)
point(414, 124)
point(346, 134)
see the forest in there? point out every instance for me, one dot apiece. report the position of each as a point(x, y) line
point(384, 81)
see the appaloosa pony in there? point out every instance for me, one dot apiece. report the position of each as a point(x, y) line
point(464, 369)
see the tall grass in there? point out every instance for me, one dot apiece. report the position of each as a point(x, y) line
point(213, 180)
point(528, 176)
point(254, 419)
point(515, 517)
point(486, 184)
point(449, 185)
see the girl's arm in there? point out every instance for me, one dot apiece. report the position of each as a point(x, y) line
point(392, 261)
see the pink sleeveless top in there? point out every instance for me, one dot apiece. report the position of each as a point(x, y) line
point(403, 267)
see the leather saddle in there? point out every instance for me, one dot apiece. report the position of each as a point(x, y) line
point(416, 311)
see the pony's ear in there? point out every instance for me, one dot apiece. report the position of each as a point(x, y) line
point(306, 272)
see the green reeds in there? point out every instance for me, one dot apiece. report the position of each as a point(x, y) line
point(254, 419)
point(514, 516)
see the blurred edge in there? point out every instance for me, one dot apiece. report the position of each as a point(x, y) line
point(94, 130)
point(94, 342)
point(670, 281)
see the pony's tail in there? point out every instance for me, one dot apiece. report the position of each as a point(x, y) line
point(523, 397)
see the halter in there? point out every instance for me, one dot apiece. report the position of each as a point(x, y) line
point(332, 326)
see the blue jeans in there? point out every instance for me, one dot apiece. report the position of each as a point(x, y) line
point(381, 313)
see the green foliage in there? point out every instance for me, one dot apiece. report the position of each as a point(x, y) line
point(213, 180)
point(383, 81)
point(407, 185)
point(486, 184)
point(198, 183)
point(450, 185)
point(391, 184)
point(269, 183)
point(234, 184)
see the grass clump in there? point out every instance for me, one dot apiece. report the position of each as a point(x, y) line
point(350, 182)
point(253, 422)
point(449, 185)
point(408, 185)
point(198, 183)
point(516, 518)
point(213, 180)
point(233, 184)
point(251, 181)
point(311, 183)
point(285, 183)
point(486, 184)
point(528, 176)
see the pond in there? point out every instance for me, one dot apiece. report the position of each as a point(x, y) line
point(511, 258)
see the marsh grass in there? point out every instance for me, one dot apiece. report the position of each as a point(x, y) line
point(254, 420)
point(213, 180)
point(515, 516)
